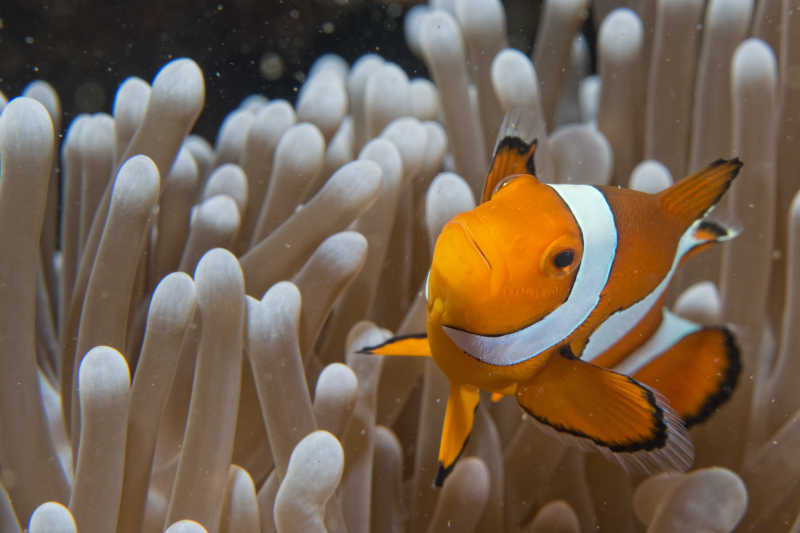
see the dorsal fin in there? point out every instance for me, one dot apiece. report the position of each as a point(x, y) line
point(514, 151)
point(694, 196)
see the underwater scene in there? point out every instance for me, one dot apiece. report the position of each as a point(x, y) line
point(388, 266)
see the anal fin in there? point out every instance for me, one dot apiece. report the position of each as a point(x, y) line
point(408, 345)
point(458, 419)
point(598, 408)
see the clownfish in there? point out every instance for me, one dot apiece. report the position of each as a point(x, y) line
point(553, 293)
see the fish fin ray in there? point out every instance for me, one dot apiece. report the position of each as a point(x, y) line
point(514, 151)
point(407, 345)
point(458, 419)
point(694, 196)
point(697, 373)
point(596, 408)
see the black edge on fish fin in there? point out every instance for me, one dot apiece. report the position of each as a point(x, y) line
point(521, 148)
point(694, 196)
point(459, 418)
point(514, 150)
point(727, 383)
point(721, 231)
point(707, 233)
point(415, 345)
point(521, 123)
point(652, 437)
point(697, 373)
point(442, 472)
point(714, 228)
point(512, 158)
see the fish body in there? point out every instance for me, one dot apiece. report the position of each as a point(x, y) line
point(553, 293)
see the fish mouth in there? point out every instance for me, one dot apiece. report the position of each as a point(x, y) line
point(474, 243)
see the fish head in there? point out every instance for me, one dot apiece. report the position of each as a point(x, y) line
point(506, 263)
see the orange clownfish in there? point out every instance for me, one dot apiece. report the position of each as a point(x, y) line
point(553, 293)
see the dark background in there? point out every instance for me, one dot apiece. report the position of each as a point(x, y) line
point(85, 49)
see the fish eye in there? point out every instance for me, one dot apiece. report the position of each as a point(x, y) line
point(561, 257)
point(564, 258)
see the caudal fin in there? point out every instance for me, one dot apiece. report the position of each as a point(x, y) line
point(695, 367)
point(694, 196)
point(697, 374)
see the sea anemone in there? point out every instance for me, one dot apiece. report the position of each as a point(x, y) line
point(180, 325)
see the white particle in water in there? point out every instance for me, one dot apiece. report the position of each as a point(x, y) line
point(271, 66)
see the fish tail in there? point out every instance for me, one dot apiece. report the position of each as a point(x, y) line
point(697, 374)
point(694, 196)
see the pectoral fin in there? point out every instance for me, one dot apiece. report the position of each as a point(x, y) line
point(610, 411)
point(458, 419)
point(409, 345)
